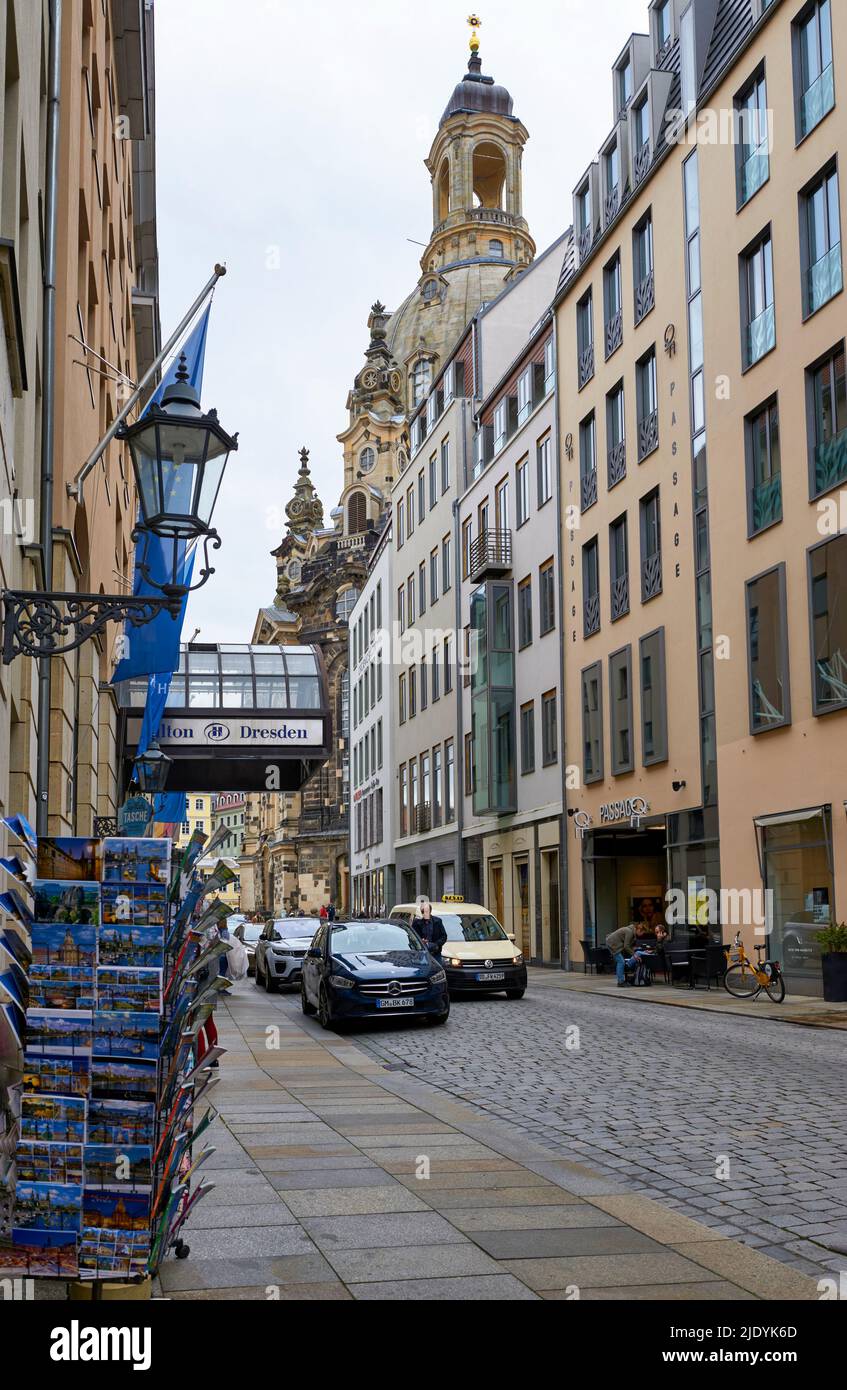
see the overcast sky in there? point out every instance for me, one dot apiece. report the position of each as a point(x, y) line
point(291, 139)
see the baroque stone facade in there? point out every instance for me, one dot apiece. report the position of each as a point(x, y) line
point(296, 846)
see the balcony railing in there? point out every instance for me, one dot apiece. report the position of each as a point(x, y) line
point(614, 333)
point(591, 615)
point(490, 553)
point(766, 503)
point(422, 818)
point(831, 463)
point(586, 365)
point(641, 163)
point(586, 240)
point(818, 101)
point(754, 172)
point(651, 577)
point(824, 280)
point(611, 205)
point(645, 297)
point(616, 460)
point(761, 336)
point(588, 489)
point(620, 597)
point(648, 435)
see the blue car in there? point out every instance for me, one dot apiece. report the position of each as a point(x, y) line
point(371, 970)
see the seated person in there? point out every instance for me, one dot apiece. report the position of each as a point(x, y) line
point(624, 944)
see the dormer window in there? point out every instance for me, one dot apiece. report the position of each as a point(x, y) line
point(429, 291)
point(612, 171)
point(641, 124)
point(421, 380)
point(624, 83)
point(583, 209)
point(662, 28)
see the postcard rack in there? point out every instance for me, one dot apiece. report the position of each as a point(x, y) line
point(110, 968)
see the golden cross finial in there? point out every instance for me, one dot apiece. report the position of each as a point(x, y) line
point(475, 23)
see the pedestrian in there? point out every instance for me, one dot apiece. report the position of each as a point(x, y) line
point(323, 913)
point(622, 944)
point(331, 911)
point(430, 929)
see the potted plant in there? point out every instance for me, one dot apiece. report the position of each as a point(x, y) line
point(833, 944)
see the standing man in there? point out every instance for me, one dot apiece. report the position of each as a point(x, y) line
point(331, 911)
point(430, 929)
point(621, 943)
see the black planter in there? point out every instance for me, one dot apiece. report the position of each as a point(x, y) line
point(834, 968)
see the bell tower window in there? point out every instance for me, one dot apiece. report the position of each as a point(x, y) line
point(444, 190)
point(356, 513)
point(489, 175)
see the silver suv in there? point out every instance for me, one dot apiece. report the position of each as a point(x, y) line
point(280, 952)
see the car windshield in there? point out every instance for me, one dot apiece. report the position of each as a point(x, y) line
point(471, 926)
point(373, 937)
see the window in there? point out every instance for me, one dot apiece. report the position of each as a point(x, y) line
point(654, 730)
point(752, 158)
point(820, 241)
point(422, 587)
point(814, 81)
point(450, 781)
point(547, 598)
point(413, 692)
point(367, 459)
point(642, 268)
point(357, 513)
point(590, 588)
point(433, 481)
point(501, 505)
point(549, 729)
point(433, 576)
point(413, 795)
point(613, 302)
point(421, 496)
point(495, 248)
point(545, 471)
point(624, 81)
point(410, 510)
point(410, 599)
point(767, 652)
point(421, 381)
point(446, 565)
point(827, 587)
point(615, 436)
point(585, 340)
point(401, 697)
point(437, 788)
point(619, 567)
point(662, 30)
point(592, 724)
point(647, 395)
point(587, 463)
point(501, 416)
point(641, 131)
point(522, 492)
point(757, 302)
point(549, 366)
point(400, 515)
point(764, 480)
point(466, 547)
point(470, 771)
point(448, 666)
point(436, 676)
point(524, 613)
point(651, 546)
point(401, 607)
point(612, 172)
point(528, 738)
point(424, 687)
point(426, 792)
point(827, 409)
point(583, 217)
point(620, 702)
point(524, 395)
point(445, 466)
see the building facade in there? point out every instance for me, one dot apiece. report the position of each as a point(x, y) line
point(701, 379)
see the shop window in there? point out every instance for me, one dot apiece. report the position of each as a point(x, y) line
point(767, 652)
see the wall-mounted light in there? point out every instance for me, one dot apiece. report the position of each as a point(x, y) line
point(679, 786)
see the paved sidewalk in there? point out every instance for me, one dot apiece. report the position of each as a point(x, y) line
point(796, 1008)
point(318, 1149)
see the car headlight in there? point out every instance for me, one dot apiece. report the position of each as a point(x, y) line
point(518, 960)
point(341, 982)
point(439, 978)
point(455, 961)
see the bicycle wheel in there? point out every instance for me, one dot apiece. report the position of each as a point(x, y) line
point(776, 989)
point(740, 981)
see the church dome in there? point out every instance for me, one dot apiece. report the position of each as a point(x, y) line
point(478, 93)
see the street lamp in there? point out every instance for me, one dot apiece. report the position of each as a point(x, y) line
point(152, 768)
point(178, 458)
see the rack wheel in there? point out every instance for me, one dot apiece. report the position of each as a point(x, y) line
point(181, 1250)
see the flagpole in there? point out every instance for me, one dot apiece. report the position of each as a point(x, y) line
point(74, 489)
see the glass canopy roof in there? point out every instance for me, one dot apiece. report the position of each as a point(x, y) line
point(237, 677)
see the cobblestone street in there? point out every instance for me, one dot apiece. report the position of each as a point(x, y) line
point(661, 1097)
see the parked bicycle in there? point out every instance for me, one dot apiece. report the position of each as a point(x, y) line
point(745, 979)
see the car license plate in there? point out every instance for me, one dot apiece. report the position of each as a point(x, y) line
point(395, 1003)
point(487, 976)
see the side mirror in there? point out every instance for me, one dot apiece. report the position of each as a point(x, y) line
point(314, 952)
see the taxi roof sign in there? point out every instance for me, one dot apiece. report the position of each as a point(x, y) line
point(452, 897)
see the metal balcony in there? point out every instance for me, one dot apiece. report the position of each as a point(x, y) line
point(490, 553)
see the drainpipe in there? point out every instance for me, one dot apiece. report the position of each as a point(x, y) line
point(564, 914)
point(48, 401)
point(459, 754)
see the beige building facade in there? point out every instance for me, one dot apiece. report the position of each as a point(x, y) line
point(701, 378)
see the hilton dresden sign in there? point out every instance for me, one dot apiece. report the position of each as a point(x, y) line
point(234, 733)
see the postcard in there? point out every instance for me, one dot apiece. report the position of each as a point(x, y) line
point(17, 946)
point(116, 1209)
point(23, 831)
point(121, 1122)
point(131, 945)
point(126, 1035)
point(61, 988)
point(47, 1206)
point(42, 1162)
point(64, 947)
point(129, 990)
point(62, 1076)
point(60, 1119)
point(119, 1080)
point(11, 1037)
point(58, 1032)
point(136, 861)
point(44, 1254)
point(104, 1253)
point(119, 1165)
point(66, 904)
point(14, 906)
point(68, 857)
